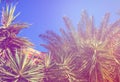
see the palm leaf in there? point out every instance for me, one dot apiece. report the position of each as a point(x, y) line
point(8, 16)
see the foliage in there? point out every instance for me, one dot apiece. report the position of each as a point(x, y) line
point(20, 68)
point(9, 30)
point(86, 53)
point(15, 66)
point(83, 54)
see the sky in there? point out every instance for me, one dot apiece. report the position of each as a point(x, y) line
point(46, 15)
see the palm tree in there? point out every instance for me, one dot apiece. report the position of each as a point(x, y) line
point(9, 30)
point(18, 62)
point(85, 53)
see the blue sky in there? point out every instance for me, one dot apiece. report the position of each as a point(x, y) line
point(47, 14)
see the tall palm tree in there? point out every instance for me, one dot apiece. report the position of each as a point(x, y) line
point(9, 30)
point(86, 53)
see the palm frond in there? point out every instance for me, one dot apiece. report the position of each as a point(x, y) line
point(60, 71)
point(8, 16)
